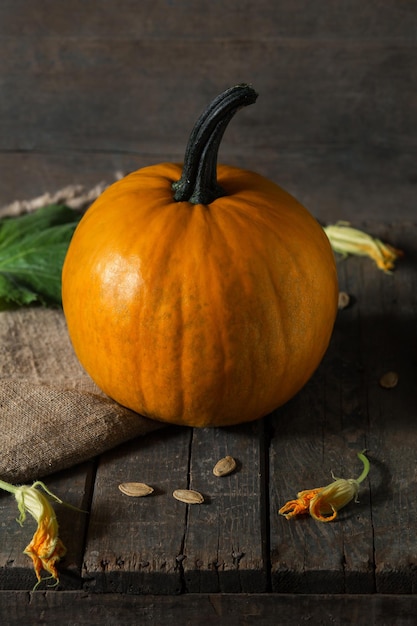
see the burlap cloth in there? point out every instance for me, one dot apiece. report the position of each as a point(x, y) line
point(52, 416)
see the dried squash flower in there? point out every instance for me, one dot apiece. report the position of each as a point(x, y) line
point(347, 240)
point(324, 503)
point(46, 548)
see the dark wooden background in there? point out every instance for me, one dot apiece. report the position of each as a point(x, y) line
point(88, 88)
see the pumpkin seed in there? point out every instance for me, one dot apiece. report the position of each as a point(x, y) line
point(389, 380)
point(225, 466)
point(344, 300)
point(189, 496)
point(136, 490)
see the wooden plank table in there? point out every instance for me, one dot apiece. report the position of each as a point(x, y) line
point(236, 543)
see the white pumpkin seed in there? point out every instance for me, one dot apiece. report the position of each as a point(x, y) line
point(189, 496)
point(225, 466)
point(136, 490)
point(344, 300)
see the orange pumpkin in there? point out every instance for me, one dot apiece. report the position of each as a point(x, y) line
point(204, 295)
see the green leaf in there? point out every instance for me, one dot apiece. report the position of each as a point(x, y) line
point(32, 252)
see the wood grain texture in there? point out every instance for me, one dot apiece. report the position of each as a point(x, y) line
point(159, 545)
point(340, 184)
point(133, 543)
point(127, 95)
point(88, 89)
point(225, 539)
point(389, 343)
point(50, 608)
point(172, 19)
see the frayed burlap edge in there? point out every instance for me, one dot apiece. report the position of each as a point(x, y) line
point(46, 428)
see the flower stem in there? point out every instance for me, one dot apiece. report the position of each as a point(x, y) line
point(8, 487)
point(366, 466)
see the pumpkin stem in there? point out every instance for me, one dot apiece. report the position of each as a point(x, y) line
point(198, 182)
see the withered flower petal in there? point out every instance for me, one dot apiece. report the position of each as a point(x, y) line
point(46, 548)
point(323, 503)
point(346, 240)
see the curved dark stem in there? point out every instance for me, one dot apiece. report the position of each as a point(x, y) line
point(198, 182)
point(206, 188)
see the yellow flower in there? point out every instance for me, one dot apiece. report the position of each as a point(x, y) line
point(46, 548)
point(324, 503)
point(347, 240)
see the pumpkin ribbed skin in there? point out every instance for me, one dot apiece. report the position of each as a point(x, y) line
point(199, 315)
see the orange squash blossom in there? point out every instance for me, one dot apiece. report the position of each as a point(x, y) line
point(200, 294)
point(324, 503)
point(46, 548)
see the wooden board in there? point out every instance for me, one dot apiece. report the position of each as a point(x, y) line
point(159, 545)
point(225, 543)
point(93, 89)
point(92, 92)
point(341, 183)
point(236, 541)
point(133, 543)
point(50, 608)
